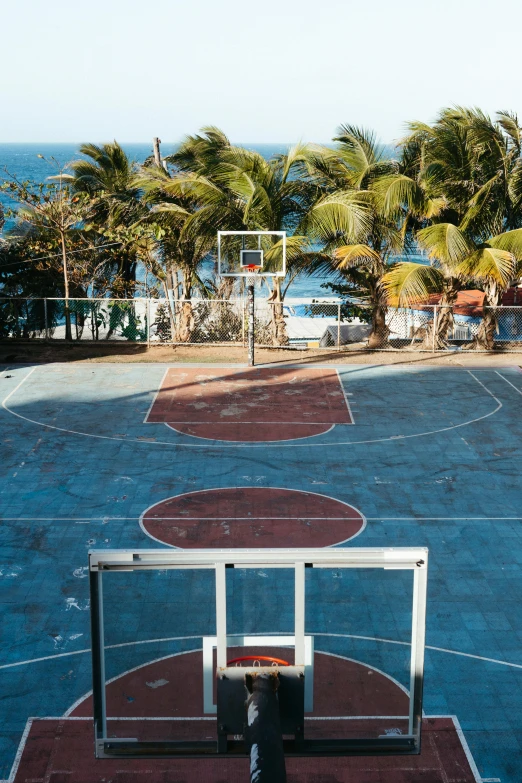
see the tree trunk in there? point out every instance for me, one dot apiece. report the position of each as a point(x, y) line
point(379, 335)
point(157, 154)
point(445, 320)
point(184, 314)
point(172, 315)
point(275, 300)
point(485, 338)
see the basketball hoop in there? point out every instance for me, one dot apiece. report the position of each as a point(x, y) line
point(257, 660)
point(250, 255)
point(251, 270)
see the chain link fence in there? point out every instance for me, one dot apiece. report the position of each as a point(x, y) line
point(306, 323)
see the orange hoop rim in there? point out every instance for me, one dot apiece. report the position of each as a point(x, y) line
point(258, 658)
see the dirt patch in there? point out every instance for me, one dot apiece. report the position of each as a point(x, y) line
point(39, 353)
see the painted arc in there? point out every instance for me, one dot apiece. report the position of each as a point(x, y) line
point(173, 687)
point(246, 517)
point(164, 699)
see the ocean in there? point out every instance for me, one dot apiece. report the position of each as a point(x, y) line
point(22, 161)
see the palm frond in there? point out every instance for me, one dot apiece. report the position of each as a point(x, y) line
point(342, 213)
point(445, 243)
point(408, 283)
point(356, 255)
point(398, 193)
point(509, 122)
point(511, 241)
point(490, 264)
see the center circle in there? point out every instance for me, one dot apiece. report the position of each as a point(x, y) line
point(251, 517)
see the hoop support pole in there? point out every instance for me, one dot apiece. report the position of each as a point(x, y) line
point(250, 324)
point(263, 729)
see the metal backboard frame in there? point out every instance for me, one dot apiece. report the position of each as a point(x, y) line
point(224, 271)
point(413, 559)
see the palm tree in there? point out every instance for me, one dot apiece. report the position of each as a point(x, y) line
point(356, 220)
point(456, 259)
point(470, 173)
point(241, 190)
point(182, 210)
point(108, 177)
point(474, 164)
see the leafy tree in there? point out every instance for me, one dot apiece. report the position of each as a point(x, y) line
point(108, 177)
point(469, 171)
point(359, 231)
point(456, 259)
point(241, 190)
point(49, 217)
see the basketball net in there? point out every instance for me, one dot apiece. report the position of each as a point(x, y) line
point(251, 278)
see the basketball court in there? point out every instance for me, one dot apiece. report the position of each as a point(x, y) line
point(183, 458)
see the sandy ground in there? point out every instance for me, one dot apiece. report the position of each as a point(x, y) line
point(18, 353)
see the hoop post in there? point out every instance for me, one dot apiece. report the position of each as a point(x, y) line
point(263, 729)
point(250, 324)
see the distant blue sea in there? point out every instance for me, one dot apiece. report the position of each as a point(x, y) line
point(22, 161)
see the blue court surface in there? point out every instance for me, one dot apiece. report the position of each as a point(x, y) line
point(424, 457)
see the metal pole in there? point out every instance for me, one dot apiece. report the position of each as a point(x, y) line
point(250, 324)
point(243, 312)
point(148, 322)
point(263, 729)
point(98, 657)
point(434, 328)
point(299, 614)
point(339, 326)
point(418, 639)
point(45, 320)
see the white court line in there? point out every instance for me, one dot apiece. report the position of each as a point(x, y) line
point(19, 752)
point(453, 718)
point(174, 519)
point(264, 421)
point(17, 387)
point(467, 751)
point(170, 425)
point(161, 640)
point(339, 378)
point(155, 397)
point(128, 671)
point(232, 518)
point(282, 445)
point(506, 380)
point(486, 388)
point(143, 518)
point(185, 652)
point(214, 718)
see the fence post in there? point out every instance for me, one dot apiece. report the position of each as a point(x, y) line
point(148, 322)
point(338, 326)
point(434, 328)
point(45, 320)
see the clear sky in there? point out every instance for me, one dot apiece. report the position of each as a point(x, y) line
point(269, 71)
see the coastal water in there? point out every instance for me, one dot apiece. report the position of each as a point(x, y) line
point(23, 162)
